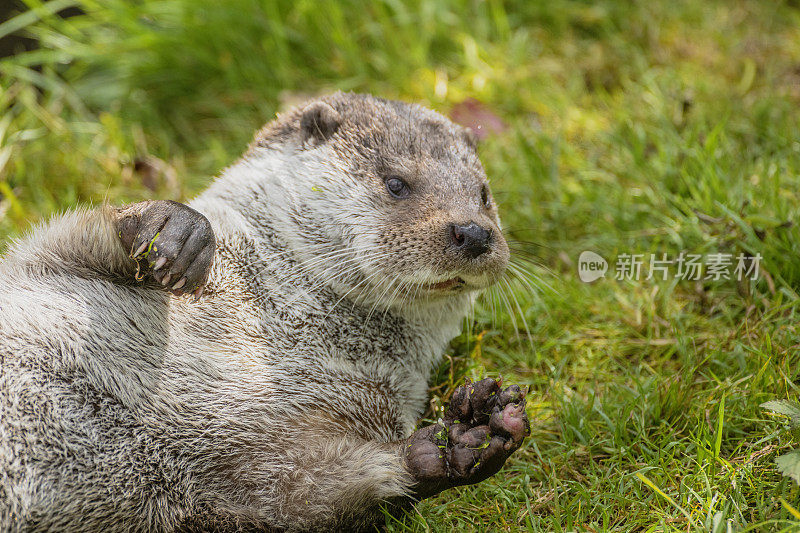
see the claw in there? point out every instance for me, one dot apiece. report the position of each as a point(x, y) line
point(160, 263)
point(166, 279)
point(140, 250)
point(180, 284)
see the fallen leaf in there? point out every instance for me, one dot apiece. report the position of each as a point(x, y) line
point(473, 114)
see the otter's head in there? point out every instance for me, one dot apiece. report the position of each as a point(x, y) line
point(393, 193)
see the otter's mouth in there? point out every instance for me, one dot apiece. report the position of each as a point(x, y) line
point(445, 285)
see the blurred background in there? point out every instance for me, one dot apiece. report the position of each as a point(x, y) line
point(613, 126)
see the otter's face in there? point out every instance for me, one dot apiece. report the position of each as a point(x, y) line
point(403, 193)
point(436, 210)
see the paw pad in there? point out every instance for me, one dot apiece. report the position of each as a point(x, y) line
point(483, 425)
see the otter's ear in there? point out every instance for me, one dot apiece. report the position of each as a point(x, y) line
point(471, 138)
point(319, 122)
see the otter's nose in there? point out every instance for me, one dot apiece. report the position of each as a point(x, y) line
point(471, 239)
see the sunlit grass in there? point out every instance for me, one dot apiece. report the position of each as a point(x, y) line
point(633, 127)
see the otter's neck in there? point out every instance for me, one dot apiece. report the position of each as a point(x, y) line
point(252, 202)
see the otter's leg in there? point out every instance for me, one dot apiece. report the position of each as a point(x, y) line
point(341, 482)
point(159, 243)
point(337, 483)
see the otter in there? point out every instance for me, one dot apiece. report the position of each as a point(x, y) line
point(259, 358)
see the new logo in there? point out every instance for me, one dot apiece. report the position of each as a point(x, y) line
point(591, 266)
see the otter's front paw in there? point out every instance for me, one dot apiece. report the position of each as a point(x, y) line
point(482, 427)
point(169, 241)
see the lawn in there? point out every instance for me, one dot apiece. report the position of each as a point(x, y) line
point(638, 127)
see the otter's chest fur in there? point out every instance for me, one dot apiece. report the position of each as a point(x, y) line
point(313, 350)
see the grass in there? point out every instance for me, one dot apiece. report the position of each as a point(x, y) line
point(633, 127)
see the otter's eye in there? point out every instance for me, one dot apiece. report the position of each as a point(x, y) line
point(485, 200)
point(397, 187)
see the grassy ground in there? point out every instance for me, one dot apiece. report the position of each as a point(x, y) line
point(633, 127)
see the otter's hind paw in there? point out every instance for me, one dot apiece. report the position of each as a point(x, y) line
point(169, 241)
point(482, 427)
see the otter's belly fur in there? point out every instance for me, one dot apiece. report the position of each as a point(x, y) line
point(136, 404)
